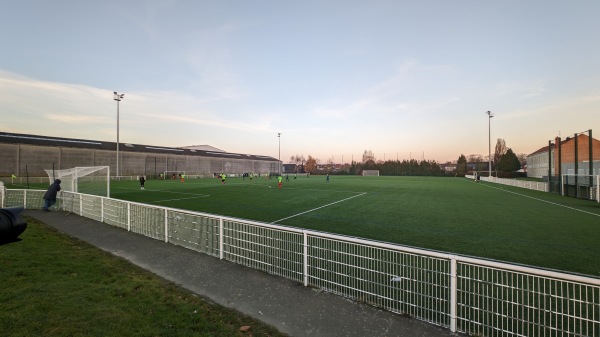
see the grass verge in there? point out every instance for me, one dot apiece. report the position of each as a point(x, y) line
point(54, 285)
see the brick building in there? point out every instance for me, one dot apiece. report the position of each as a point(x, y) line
point(537, 162)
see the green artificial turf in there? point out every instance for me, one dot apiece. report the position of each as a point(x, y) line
point(454, 215)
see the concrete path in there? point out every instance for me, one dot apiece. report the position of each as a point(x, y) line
point(284, 304)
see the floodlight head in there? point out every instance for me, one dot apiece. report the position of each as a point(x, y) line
point(117, 97)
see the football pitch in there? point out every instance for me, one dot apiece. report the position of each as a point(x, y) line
point(454, 215)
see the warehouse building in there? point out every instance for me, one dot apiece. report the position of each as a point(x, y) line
point(29, 155)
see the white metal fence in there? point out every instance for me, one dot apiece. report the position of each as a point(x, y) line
point(532, 185)
point(474, 296)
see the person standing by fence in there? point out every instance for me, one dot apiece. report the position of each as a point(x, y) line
point(50, 195)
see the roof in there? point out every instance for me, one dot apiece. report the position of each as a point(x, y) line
point(542, 150)
point(202, 147)
point(16, 138)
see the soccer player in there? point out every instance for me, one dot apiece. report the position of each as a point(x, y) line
point(223, 178)
point(327, 179)
point(142, 181)
point(279, 183)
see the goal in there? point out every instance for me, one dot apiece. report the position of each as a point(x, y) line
point(93, 180)
point(370, 173)
point(172, 174)
point(583, 186)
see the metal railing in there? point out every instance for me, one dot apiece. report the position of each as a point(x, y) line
point(470, 295)
point(528, 184)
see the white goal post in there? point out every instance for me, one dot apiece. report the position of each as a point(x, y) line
point(93, 180)
point(581, 186)
point(169, 174)
point(370, 173)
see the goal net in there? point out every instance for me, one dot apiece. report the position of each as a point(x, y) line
point(172, 175)
point(583, 186)
point(370, 173)
point(93, 180)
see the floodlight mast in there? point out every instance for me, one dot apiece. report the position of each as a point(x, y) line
point(490, 115)
point(117, 97)
point(279, 138)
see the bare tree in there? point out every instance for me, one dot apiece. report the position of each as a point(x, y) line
point(368, 156)
point(298, 160)
point(522, 159)
point(499, 151)
point(474, 158)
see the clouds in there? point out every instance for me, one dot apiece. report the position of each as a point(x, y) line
point(334, 77)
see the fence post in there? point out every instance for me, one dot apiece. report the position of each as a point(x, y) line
point(25, 199)
point(453, 294)
point(129, 217)
point(166, 226)
point(81, 204)
point(305, 258)
point(221, 245)
point(101, 209)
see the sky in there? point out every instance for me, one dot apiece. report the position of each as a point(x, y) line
point(403, 79)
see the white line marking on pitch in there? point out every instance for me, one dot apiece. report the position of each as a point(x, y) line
point(542, 200)
point(162, 191)
point(198, 196)
point(314, 209)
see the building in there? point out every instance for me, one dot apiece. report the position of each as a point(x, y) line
point(539, 161)
point(29, 155)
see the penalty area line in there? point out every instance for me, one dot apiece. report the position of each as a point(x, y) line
point(314, 209)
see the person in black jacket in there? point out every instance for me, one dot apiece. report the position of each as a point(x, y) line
point(50, 195)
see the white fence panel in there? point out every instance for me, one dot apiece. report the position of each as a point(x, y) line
point(470, 295)
point(193, 231)
point(496, 302)
point(269, 249)
point(532, 185)
point(397, 281)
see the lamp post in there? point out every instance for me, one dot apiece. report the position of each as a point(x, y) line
point(490, 115)
point(279, 138)
point(117, 97)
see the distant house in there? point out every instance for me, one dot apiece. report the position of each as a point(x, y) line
point(537, 162)
point(448, 167)
point(291, 168)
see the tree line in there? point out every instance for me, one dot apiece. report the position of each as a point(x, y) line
point(504, 160)
point(388, 168)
